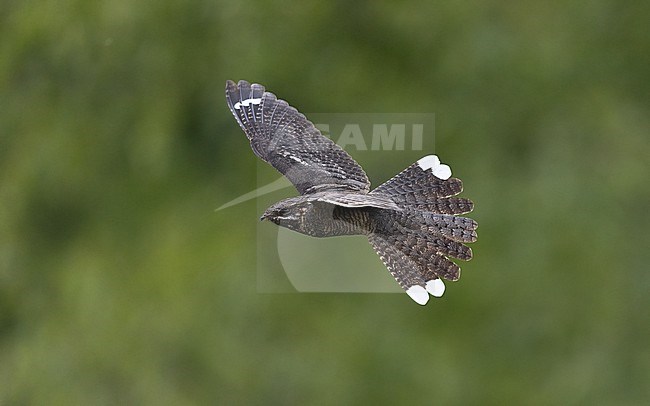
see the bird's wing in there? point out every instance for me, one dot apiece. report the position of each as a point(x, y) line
point(284, 138)
point(347, 199)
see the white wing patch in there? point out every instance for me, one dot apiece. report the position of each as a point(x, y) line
point(440, 171)
point(295, 158)
point(292, 157)
point(247, 102)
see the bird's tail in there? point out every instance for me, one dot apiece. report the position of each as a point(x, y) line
point(427, 185)
point(416, 242)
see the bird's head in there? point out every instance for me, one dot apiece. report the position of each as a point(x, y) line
point(286, 213)
point(295, 214)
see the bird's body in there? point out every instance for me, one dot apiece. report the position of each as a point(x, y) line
point(410, 220)
point(321, 219)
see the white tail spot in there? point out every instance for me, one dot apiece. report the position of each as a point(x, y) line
point(436, 287)
point(418, 294)
point(440, 171)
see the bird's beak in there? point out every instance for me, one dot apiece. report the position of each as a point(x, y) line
point(265, 216)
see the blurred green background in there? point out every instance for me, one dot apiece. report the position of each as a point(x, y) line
point(119, 283)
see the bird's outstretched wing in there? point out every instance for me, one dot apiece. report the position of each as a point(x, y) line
point(351, 199)
point(284, 138)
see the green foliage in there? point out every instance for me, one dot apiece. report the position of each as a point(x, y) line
point(120, 284)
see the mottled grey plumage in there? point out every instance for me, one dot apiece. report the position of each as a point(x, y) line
point(411, 220)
